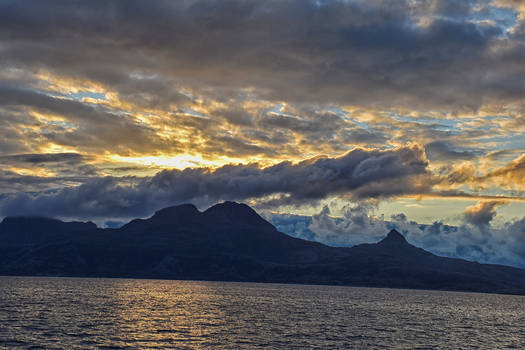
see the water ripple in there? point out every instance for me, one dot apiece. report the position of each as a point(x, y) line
point(76, 313)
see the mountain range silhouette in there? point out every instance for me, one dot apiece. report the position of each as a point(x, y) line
point(231, 242)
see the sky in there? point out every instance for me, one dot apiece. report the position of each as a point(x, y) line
point(335, 119)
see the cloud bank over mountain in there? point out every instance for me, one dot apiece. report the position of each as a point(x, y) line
point(357, 174)
point(475, 239)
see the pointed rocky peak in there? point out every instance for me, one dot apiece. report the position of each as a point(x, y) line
point(394, 237)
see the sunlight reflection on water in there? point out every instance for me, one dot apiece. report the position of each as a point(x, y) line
point(83, 313)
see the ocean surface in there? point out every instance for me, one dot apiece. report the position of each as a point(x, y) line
point(84, 313)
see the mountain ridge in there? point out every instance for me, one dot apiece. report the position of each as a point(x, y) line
point(230, 241)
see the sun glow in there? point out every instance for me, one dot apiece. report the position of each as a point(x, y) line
point(54, 148)
point(180, 161)
point(40, 172)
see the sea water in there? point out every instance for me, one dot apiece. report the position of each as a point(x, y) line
point(85, 313)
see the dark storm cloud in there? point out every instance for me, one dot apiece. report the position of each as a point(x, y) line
point(38, 158)
point(40, 171)
point(359, 173)
point(366, 52)
point(12, 182)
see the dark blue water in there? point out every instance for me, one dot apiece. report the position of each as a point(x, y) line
point(71, 313)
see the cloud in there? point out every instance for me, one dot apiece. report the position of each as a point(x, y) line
point(75, 124)
point(511, 175)
point(365, 52)
point(516, 237)
point(41, 171)
point(460, 174)
point(357, 225)
point(443, 150)
point(482, 213)
point(256, 81)
point(359, 174)
point(296, 225)
point(39, 158)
